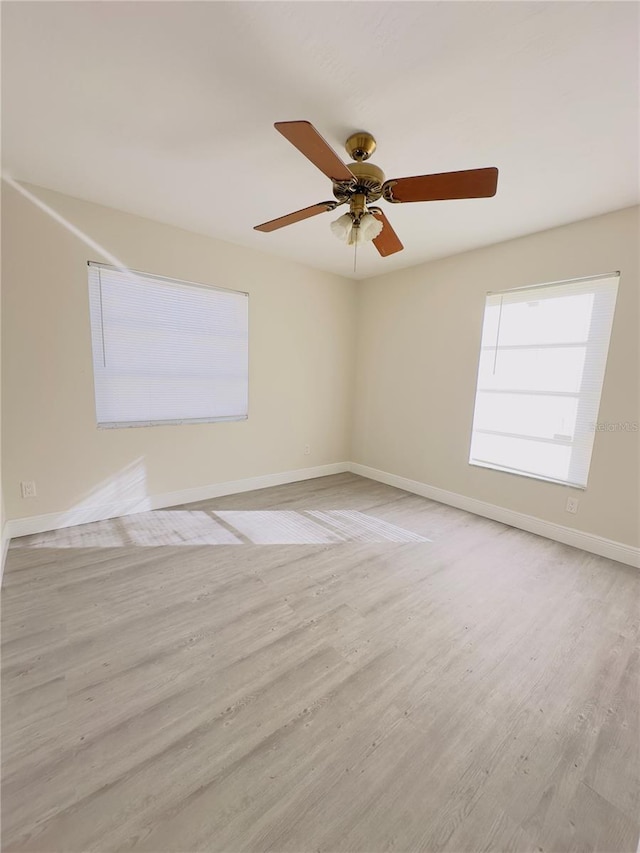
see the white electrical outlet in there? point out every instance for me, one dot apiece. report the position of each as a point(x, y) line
point(307, 449)
point(28, 489)
point(572, 505)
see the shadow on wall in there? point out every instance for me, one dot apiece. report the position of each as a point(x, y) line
point(224, 527)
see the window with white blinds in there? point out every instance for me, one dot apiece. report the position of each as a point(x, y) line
point(542, 363)
point(165, 351)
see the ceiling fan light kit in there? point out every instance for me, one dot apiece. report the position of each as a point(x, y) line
point(345, 229)
point(360, 183)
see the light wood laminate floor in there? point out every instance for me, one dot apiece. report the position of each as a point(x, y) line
point(334, 665)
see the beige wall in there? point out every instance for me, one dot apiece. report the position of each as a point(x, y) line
point(419, 338)
point(301, 359)
point(2, 512)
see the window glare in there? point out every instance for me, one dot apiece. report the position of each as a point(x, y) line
point(533, 369)
point(561, 319)
point(540, 374)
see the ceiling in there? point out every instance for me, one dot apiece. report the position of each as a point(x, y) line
point(166, 110)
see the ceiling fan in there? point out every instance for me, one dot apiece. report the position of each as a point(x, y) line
point(360, 183)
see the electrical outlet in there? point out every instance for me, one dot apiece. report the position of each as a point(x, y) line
point(307, 449)
point(28, 489)
point(572, 505)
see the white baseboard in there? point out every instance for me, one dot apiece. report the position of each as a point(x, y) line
point(99, 512)
point(4, 545)
point(567, 535)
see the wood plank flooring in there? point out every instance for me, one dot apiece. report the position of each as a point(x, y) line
point(334, 665)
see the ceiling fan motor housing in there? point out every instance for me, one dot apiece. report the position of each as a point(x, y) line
point(369, 179)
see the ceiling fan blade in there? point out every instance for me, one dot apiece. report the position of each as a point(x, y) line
point(298, 216)
point(308, 141)
point(471, 183)
point(387, 242)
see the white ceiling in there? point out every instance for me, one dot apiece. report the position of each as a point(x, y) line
point(167, 109)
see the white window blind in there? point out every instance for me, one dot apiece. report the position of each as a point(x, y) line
point(166, 351)
point(542, 363)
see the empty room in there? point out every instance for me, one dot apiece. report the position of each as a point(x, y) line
point(320, 427)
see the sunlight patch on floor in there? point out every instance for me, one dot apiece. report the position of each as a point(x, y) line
point(177, 527)
point(278, 527)
point(223, 527)
point(356, 525)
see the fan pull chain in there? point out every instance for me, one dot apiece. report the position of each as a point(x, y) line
point(355, 253)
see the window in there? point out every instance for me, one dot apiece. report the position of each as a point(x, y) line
point(166, 352)
point(542, 361)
